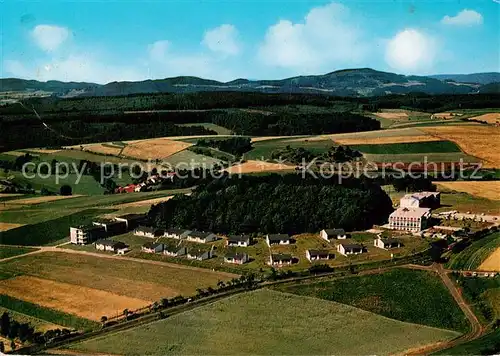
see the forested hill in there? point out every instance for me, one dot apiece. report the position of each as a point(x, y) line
point(351, 82)
point(287, 204)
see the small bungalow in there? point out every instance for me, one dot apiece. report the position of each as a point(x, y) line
point(278, 239)
point(316, 255)
point(110, 245)
point(200, 236)
point(200, 255)
point(280, 259)
point(152, 247)
point(236, 258)
point(148, 231)
point(174, 251)
point(238, 240)
point(176, 233)
point(387, 244)
point(351, 249)
point(333, 234)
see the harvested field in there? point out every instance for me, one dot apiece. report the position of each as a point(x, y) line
point(14, 153)
point(392, 115)
point(38, 200)
point(266, 138)
point(8, 195)
point(42, 150)
point(445, 115)
point(487, 189)
point(258, 166)
point(7, 226)
point(480, 140)
point(85, 302)
point(157, 148)
point(492, 263)
point(385, 140)
point(376, 134)
point(103, 149)
point(491, 118)
point(144, 202)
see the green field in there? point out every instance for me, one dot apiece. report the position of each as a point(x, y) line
point(407, 295)
point(422, 157)
point(186, 159)
point(408, 148)
point(47, 314)
point(484, 296)
point(267, 322)
point(50, 231)
point(38, 324)
point(466, 202)
point(11, 251)
point(264, 149)
point(472, 257)
point(488, 344)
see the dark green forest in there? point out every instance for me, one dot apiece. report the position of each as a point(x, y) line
point(287, 204)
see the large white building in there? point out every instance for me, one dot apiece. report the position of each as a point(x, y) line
point(409, 219)
point(421, 200)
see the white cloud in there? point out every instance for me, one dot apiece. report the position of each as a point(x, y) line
point(464, 18)
point(410, 50)
point(49, 37)
point(158, 50)
point(325, 40)
point(222, 39)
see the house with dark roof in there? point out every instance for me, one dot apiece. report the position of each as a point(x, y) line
point(333, 234)
point(132, 220)
point(387, 244)
point(280, 259)
point(176, 233)
point(201, 236)
point(317, 255)
point(278, 239)
point(174, 250)
point(110, 245)
point(351, 249)
point(152, 247)
point(236, 258)
point(238, 240)
point(148, 231)
point(199, 254)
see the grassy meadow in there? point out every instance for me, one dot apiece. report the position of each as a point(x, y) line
point(267, 322)
point(472, 257)
point(11, 251)
point(408, 148)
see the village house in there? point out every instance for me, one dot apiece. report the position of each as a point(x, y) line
point(236, 258)
point(132, 220)
point(148, 231)
point(152, 247)
point(316, 255)
point(238, 240)
point(200, 236)
point(278, 239)
point(199, 254)
point(387, 243)
point(176, 233)
point(110, 245)
point(280, 259)
point(350, 249)
point(112, 227)
point(174, 251)
point(333, 234)
point(83, 235)
point(409, 219)
point(430, 200)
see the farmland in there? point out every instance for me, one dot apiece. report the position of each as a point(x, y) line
point(485, 345)
point(258, 166)
point(408, 148)
point(280, 324)
point(475, 254)
point(486, 189)
point(10, 251)
point(264, 149)
point(492, 262)
point(423, 301)
point(39, 324)
point(158, 148)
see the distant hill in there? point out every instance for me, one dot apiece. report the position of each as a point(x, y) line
point(349, 82)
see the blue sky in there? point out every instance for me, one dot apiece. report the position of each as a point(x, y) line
point(103, 41)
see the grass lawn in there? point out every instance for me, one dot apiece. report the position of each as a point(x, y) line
point(265, 322)
point(264, 149)
point(47, 314)
point(488, 344)
point(472, 257)
point(410, 147)
point(10, 251)
point(407, 295)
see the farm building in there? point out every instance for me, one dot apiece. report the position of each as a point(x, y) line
point(176, 233)
point(148, 231)
point(110, 245)
point(199, 254)
point(409, 219)
point(280, 259)
point(350, 249)
point(132, 220)
point(238, 240)
point(174, 251)
point(443, 232)
point(152, 247)
point(200, 236)
point(316, 255)
point(387, 244)
point(333, 234)
point(112, 227)
point(236, 258)
point(278, 239)
point(421, 200)
point(83, 235)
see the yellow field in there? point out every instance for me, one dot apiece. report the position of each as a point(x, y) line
point(485, 189)
point(366, 135)
point(99, 148)
point(258, 166)
point(392, 115)
point(86, 302)
point(14, 153)
point(445, 115)
point(384, 140)
point(143, 202)
point(492, 263)
point(480, 140)
point(3, 195)
point(43, 150)
point(7, 226)
point(37, 200)
point(157, 148)
point(491, 118)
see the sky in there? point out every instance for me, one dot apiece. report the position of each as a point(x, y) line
point(104, 41)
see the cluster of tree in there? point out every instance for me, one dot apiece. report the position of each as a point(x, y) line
point(276, 203)
point(234, 145)
point(336, 154)
point(16, 164)
point(413, 184)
